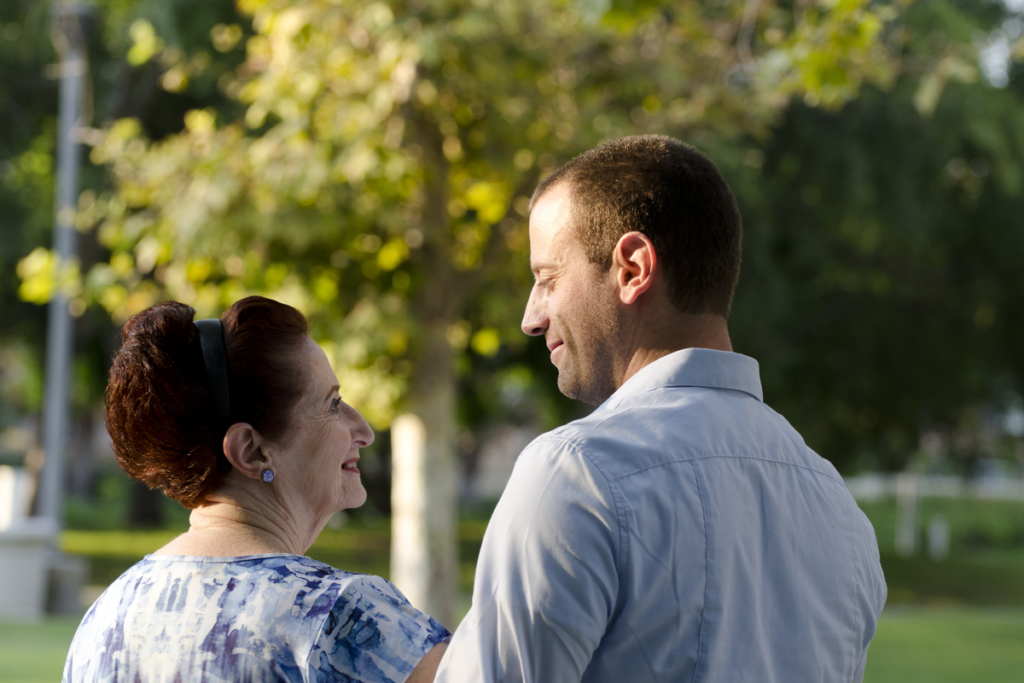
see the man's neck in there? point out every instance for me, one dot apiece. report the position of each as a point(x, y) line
point(685, 331)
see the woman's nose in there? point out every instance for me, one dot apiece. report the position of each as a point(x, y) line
point(362, 435)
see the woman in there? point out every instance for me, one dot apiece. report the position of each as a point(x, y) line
point(240, 420)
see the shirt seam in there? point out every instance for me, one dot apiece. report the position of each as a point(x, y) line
point(704, 601)
point(730, 457)
point(858, 624)
point(640, 644)
point(621, 556)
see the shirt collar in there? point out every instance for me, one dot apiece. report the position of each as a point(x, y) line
point(693, 368)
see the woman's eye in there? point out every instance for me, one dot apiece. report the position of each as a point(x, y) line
point(335, 404)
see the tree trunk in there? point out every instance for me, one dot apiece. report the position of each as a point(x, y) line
point(424, 559)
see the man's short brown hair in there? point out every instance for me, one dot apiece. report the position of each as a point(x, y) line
point(669, 192)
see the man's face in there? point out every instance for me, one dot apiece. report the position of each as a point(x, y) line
point(572, 304)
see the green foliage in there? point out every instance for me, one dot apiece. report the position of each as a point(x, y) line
point(977, 527)
point(986, 557)
point(957, 581)
point(22, 385)
point(371, 164)
point(377, 178)
point(108, 508)
point(28, 107)
point(881, 278)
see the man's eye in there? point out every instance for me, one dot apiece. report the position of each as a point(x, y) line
point(335, 404)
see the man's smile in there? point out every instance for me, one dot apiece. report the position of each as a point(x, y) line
point(553, 348)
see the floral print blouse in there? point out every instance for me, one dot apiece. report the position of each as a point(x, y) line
point(252, 618)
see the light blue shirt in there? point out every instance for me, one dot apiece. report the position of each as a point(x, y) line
point(681, 532)
point(253, 618)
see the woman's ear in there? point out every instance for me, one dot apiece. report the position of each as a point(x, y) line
point(244, 447)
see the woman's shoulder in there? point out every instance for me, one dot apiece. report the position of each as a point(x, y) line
point(272, 566)
point(288, 606)
point(280, 574)
point(246, 588)
point(373, 633)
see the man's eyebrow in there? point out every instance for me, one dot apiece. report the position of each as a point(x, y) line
point(334, 389)
point(534, 267)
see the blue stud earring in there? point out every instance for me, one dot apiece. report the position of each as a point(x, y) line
point(268, 476)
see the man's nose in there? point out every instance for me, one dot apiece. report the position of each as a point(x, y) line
point(535, 319)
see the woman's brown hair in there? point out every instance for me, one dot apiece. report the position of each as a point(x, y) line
point(160, 414)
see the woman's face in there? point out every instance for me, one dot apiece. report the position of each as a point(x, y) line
point(322, 446)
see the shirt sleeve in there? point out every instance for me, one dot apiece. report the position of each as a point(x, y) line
point(372, 635)
point(547, 581)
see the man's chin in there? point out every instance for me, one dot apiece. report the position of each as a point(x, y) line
point(572, 388)
point(567, 385)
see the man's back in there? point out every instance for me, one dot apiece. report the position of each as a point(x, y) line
point(682, 532)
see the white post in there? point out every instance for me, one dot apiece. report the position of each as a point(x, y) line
point(906, 513)
point(423, 542)
point(70, 43)
point(938, 538)
point(410, 562)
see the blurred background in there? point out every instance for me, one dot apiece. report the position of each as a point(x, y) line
point(371, 163)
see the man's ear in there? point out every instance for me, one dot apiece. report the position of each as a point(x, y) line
point(244, 449)
point(633, 262)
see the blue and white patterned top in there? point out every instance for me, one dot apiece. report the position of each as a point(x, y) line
point(253, 618)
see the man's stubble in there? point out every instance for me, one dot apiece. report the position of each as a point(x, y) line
point(592, 339)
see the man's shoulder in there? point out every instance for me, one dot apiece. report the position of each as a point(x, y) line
point(673, 425)
point(615, 442)
point(665, 413)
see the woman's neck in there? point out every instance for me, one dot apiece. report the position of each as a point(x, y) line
point(232, 525)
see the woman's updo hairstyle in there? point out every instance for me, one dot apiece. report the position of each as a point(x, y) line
point(160, 412)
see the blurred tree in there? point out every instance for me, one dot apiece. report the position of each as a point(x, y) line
point(26, 181)
point(881, 287)
point(28, 106)
point(28, 103)
point(372, 163)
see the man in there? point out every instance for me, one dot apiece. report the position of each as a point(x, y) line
point(683, 531)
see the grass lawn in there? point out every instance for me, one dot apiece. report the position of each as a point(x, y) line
point(934, 637)
point(947, 645)
point(914, 644)
point(35, 653)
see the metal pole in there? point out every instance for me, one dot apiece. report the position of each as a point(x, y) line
point(68, 38)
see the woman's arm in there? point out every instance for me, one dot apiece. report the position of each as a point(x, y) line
point(425, 670)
